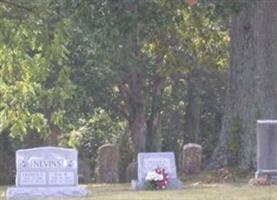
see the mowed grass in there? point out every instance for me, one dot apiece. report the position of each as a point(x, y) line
point(190, 192)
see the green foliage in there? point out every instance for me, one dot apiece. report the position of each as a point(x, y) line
point(193, 37)
point(7, 158)
point(7, 172)
point(235, 140)
point(173, 115)
point(212, 96)
point(209, 86)
point(122, 50)
point(126, 153)
point(34, 81)
point(92, 65)
point(149, 186)
point(226, 8)
point(99, 130)
point(113, 40)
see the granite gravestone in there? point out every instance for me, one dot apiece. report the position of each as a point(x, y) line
point(150, 161)
point(267, 149)
point(46, 172)
point(191, 159)
point(107, 164)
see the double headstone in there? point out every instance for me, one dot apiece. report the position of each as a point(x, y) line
point(150, 161)
point(267, 149)
point(46, 172)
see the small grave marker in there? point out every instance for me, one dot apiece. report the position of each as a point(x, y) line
point(150, 161)
point(108, 159)
point(191, 159)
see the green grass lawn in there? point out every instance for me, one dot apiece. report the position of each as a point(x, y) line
point(190, 192)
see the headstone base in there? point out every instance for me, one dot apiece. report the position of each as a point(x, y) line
point(269, 175)
point(34, 192)
point(174, 184)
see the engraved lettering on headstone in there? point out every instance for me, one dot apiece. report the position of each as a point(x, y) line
point(33, 178)
point(61, 178)
point(47, 164)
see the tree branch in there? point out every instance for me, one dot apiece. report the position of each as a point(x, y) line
point(125, 94)
point(16, 5)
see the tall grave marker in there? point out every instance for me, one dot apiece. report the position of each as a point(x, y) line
point(46, 172)
point(267, 149)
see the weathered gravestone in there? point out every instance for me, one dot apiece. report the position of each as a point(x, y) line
point(46, 172)
point(107, 164)
point(150, 161)
point(191, 160)
point(267, 149)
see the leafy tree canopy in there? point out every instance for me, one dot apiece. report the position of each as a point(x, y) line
point(34, 81)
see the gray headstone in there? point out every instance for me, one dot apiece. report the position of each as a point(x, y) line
point(150, 161)
point(267, 149)
point(46, 172)
point(191, 159)
point(107, 164)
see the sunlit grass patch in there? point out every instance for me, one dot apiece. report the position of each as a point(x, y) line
point(190, 192)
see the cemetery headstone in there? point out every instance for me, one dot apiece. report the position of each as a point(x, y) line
point(46, 172)
point(267, 149)
point(191, 160)
point(150, 161)
point(107, 169)
point(131, 171)
point(84, 171)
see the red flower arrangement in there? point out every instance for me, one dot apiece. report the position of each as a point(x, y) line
point(157, 179)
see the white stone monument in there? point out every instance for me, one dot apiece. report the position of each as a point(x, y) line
point(46, 172)
point(267, 149)
point(150, 161)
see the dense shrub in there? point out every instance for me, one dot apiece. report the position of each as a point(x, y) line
point(7, 159)
point(99, 130)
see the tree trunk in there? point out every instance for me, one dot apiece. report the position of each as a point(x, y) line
point(153, 142)
point(137, 119)
point(52, 138)
point(138, 132)
point(252, 83)
point(144, 123)
point(193, 110)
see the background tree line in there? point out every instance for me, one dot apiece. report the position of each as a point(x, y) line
point(146, 75)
